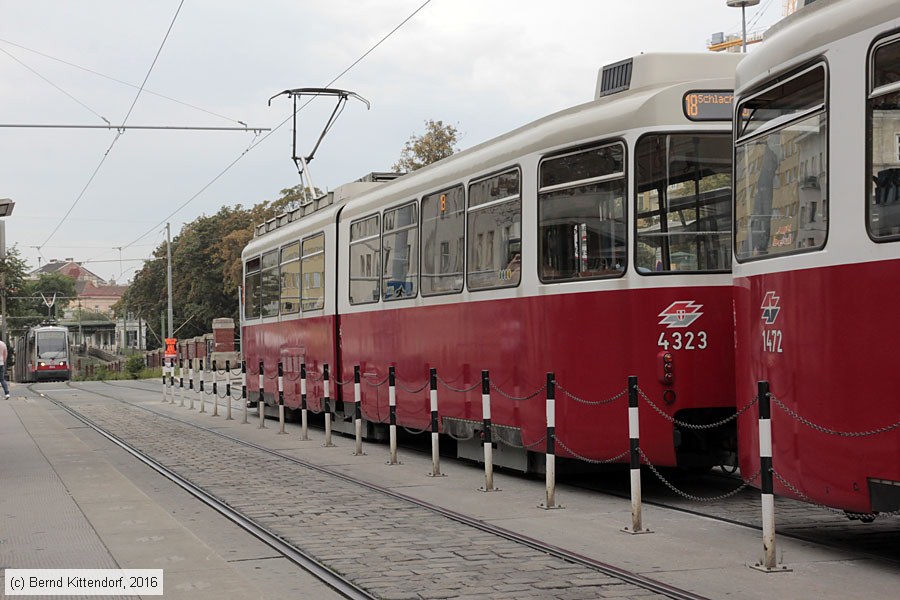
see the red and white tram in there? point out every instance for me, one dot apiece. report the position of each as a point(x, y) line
point(817, 248)
point(594, 243)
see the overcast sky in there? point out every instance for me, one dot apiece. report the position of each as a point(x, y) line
point(485, 66)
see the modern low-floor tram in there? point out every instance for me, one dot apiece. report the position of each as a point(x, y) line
point(42, 354)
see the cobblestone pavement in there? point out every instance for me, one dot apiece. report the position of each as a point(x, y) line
point(392, 548)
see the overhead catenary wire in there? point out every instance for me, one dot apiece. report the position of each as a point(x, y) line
point(278, 127)
point(119, 133)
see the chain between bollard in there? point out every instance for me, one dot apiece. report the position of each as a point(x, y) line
point(702, 426)
point(414, 391)
point(594, 461)
point(572, 396)
point(376, 385)
point(517, 398)
point(744, 485)
point(524, 446)
point(474, 386)
point(826, 430)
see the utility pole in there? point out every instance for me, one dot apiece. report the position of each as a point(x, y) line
point(169, 278)
point(743, 4)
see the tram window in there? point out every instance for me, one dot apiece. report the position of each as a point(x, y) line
point(883, 158)
point(290, 278)
point(581, 214)
point(313, 272)
point(775, 210)
point(443, 242)
point(683, 203)
point(365, 260)
point(252, 289)
point(495, 232)
point(401, 253)
point(269, 284)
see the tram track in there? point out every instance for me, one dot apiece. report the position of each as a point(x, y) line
point(797, 520)
point(278, 540)
point(339, 584)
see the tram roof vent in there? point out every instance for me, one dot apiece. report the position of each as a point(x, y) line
point(615, 78)
point(664, 68)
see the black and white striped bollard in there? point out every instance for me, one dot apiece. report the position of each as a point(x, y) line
point(392, 409)
point(164, 382)
point(261, 404)
point(357, 411)
point(326, 409)
point(488, 438)
point(228, 416)
point(435, 439)
point(171, 381)
point(281, 430)
point(181, 380)
point(634, 436)
point(767, 490)
point(550, 502)
point(191, 381)
point(202, 381)
point(304, 413)
point(244, 397)
point(215, 389)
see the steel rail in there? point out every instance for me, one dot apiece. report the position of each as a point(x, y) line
point(555, 551)
point(308, 563)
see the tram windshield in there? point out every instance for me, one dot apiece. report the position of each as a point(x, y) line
point(683, 203)
point(51, 344)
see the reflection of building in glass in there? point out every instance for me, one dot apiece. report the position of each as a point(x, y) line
point(884, 214)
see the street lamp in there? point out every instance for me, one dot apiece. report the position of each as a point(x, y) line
point(743, 4)
point(6, 209)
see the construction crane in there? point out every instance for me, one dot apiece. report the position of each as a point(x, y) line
point(734, 42)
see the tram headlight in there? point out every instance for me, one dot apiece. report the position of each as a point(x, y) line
point(42, 364)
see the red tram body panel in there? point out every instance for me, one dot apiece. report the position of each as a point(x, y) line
point(817, 243)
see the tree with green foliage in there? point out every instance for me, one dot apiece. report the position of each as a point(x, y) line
point(437, 142)
point(206, 269)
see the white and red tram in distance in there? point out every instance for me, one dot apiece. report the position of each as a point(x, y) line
point(817, 248)
point(594, 243)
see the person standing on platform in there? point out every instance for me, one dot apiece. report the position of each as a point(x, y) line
point(4, 353)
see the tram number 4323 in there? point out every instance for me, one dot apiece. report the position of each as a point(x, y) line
point(678, 340)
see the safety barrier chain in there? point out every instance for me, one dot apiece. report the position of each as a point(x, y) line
point(287, 376)
point(475, 385)
point(518, 398)
point(836, 432)
point(460, 438)
point(524, 446)
point(805, 498)
point(591, 460)
point(410, 390)
point(746, 483)
point(703, 426)
point(375, 385)
point(415, 431)
point(343, 383)
point(589, 402)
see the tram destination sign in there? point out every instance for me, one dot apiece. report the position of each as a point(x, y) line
point(708, 105)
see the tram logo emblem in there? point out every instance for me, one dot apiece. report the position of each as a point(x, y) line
point(680, 314)
point(770, 308)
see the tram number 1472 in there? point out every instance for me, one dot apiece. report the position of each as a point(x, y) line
point(682, 341)
point(771, 340)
